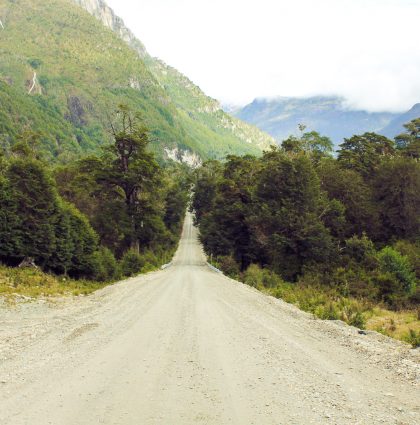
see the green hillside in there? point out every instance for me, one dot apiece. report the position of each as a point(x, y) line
point(62, 74)
point(197, 107)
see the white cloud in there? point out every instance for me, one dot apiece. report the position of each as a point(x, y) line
point(236, 50)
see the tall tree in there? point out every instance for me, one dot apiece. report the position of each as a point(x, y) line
point(129, 167)
point(365, 153)
point(409, 141)
point(36, 200)
point(347, 186)
point(312, 143)
point(288, 223)
point(397, 191)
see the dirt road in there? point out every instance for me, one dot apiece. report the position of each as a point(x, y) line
point(187, 345)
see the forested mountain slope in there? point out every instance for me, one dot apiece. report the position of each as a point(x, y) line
point(62, 74)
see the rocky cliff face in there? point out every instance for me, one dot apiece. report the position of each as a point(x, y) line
point(106, 15)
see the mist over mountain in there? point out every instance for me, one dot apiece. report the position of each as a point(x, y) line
point(328, 115)
point(395, 127)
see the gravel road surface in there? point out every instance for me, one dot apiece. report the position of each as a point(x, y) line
point(186, 345)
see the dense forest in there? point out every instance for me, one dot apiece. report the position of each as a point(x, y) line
point(302, 217)
point(101, 217)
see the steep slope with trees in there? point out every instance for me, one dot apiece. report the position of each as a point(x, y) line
point(83, 71)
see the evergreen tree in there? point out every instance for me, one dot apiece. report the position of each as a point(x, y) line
point(409, 142)
point(36, 200)
point(10, 224)
point(397, 192)
point(288, 224)
point(348, 187)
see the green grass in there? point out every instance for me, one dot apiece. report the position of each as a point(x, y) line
point(325, 303)
point(34, 283)
point(403, 325)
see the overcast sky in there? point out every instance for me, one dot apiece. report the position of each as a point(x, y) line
point(365, 50)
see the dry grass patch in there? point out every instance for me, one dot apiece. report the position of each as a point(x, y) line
point(402, 325)
point(33, 283)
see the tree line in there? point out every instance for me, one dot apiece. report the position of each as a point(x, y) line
point(100, 217)
point(348, 221)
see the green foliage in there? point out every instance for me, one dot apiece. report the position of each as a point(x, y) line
point(10, 239)
point(323, 303)
point(399, 278)
point(413, 338)
point(129, 200)
point(127, 167)
point(409, 141)
point(262, 278)
point(36, 201)
point(34, 283)
point(85, 241)
point(108, 204)
point(312, 144)
point(38, 224)
point(360, 249)
point(317, 221)
point(131, 263)
point(289, 204)
point(364, 153)
point(397, 189)
point(228, 265)
point(106, 266)
point(347, 186)
point(411, 250)
point(83, 71)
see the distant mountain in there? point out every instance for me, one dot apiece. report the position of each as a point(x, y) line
point(63, 72)
point(396, 126)
point(329, 116)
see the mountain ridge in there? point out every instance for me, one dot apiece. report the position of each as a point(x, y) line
point(329, 115)
point(396, 126)
point(85, 64)
point(204, 104)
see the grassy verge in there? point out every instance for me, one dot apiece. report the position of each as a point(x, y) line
point(403, 325)
point(34, 283)
point(327, 304)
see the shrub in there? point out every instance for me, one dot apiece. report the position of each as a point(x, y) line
point(106, 265)
point(352, 312)
point(253, 275)
point(413, 338)
point(327, 312)
point(398, 268)
point(360, 249)
point(228, 265)
point(358, 320)
point(412, 252)
point(262, 278)
point(131, 263)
